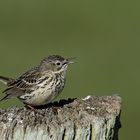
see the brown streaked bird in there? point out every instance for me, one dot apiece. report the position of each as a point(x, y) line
point(41, 84)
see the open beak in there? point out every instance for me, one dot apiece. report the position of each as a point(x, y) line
point(70, 60)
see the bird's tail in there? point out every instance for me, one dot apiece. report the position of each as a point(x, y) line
point(5, 80)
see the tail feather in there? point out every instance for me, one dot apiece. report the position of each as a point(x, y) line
point(4, 98)
point(5, 80)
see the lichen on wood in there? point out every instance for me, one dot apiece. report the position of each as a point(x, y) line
point(89, 118)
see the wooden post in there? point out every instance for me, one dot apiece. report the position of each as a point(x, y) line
point(90, 118)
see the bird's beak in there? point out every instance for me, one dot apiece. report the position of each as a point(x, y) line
point(70, 60)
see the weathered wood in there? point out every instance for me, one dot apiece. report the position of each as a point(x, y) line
point(90, 118)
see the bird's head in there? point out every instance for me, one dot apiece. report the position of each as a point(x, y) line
point(55, 63)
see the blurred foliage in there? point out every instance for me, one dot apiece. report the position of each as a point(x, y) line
point(103, 35)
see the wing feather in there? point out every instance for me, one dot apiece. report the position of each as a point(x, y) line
point(24, 83)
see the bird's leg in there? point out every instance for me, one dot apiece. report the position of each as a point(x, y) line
point(30, 107)
point(33, 109)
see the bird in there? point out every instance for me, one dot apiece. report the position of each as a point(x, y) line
point(39, 85)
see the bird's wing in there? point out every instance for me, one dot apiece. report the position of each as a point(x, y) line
point(23, 84)
point(26, 80)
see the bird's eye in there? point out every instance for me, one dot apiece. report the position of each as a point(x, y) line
point(58, 63)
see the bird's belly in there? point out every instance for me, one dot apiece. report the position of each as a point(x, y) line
point(40, 96)
point(43, 93)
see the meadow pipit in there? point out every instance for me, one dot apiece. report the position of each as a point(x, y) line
point(41, 84)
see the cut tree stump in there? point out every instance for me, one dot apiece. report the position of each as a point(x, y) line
point(89, 118)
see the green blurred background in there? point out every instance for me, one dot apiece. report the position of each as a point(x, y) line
point(103, 35)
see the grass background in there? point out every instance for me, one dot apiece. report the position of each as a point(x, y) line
point(103, 35)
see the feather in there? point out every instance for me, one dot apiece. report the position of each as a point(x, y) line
point(5, 80)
